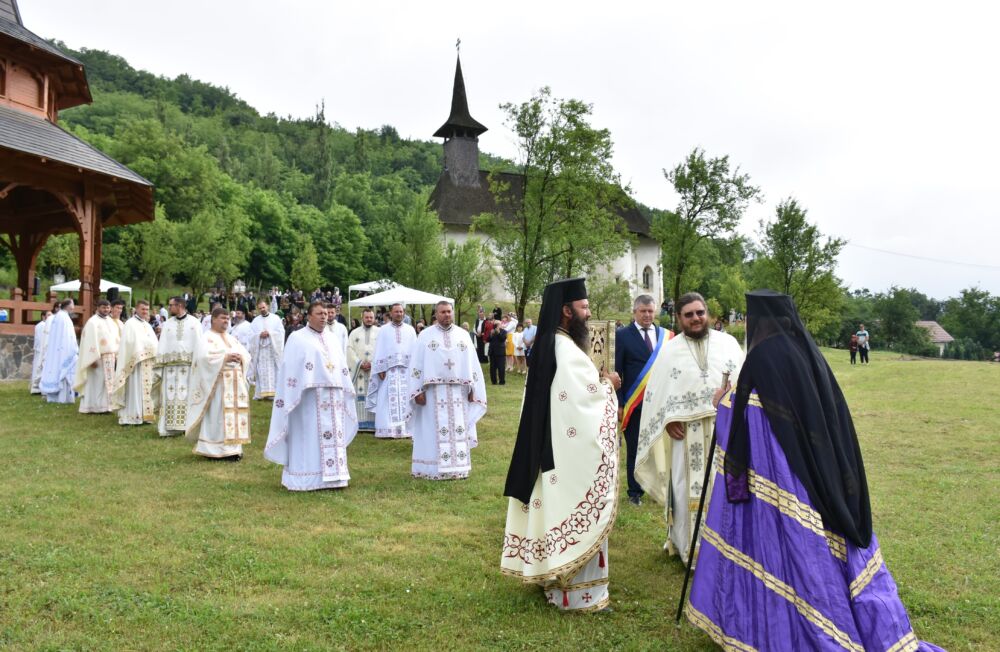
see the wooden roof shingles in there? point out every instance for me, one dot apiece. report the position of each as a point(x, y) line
point(23, 132)
point(9, 11)
point(460, 204)
point(460, 121)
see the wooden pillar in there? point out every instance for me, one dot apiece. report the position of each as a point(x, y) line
point(90, 230)
point(26, 248)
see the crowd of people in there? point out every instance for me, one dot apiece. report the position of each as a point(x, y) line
point(788, 529)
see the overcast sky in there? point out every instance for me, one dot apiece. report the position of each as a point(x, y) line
point(880, 118)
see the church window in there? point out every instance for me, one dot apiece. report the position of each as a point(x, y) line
point(647, 277)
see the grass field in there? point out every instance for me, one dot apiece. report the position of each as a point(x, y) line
point(114, 539)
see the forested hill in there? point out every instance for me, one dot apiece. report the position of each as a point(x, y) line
point(251, 191)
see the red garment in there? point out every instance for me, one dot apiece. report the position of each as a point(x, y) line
point(487, 329)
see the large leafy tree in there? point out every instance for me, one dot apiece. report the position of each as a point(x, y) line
point(974, 315)
point(713, 198)
point(796, 259)
point(463, 273)
point(560, 216)
point(417, 254)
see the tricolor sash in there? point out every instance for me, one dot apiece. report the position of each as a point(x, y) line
point(638, 389)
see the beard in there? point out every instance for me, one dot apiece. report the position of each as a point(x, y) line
point(578, 332)
point(696, 334)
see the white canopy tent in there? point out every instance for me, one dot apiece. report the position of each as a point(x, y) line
point(370, 286)
point(399, 294)
point(74, 286)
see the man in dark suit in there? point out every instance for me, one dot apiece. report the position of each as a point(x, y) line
point(479, 330)
point(497, 353)
point(634, 344)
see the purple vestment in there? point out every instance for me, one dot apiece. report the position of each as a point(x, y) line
point(771, 577)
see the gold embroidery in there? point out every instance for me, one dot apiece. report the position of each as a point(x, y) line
point(727, 399)
point(789, 505)
point(866, 575)
point(908, 643)
point(783, 590)
point(715, 632)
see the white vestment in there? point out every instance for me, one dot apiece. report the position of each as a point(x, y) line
point(61, 352)
point(388, 396)
point(206, 323)
point(265, 354)
point(559, 538)
point(98, 346)
point(444, 367)
point(361, 349)
point(340, 332)
point(314, 419)
point(38, 357)
point(178, 338)
point(681, 384)
point(243, 332)
point(218, 410)
point(132, 391)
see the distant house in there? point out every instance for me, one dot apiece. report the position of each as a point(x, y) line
point(939, 336)
point(463, 192)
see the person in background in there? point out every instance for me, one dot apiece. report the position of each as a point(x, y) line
point(519, 365)
point(864, 343)
point(497, 351)
point(853, 347)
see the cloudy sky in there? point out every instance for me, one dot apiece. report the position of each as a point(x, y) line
point(880, 118)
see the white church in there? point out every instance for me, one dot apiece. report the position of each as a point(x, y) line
point(463, 192)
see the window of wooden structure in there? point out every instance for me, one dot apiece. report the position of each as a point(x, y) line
point(647, 277)
point(3, 78)
point(25, 87)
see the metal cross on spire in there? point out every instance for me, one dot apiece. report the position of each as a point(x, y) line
point(458, 45)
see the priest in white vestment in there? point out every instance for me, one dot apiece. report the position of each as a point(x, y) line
point(218, 410)
point(37, 360)
point(334, 327)
point(360, 354)
point(685, 383)
point(132, 391)
point(241, 329)
point(95, 369)
point(388, 395)
point(178, 337)
point(61, 352)
point(266, 348)
point(448, 398)
point(314, 419)
point(563, 476)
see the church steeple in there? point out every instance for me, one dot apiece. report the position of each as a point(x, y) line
point(460, 123)
point(461, 136)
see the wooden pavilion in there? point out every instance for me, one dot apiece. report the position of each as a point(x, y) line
point(51, 182)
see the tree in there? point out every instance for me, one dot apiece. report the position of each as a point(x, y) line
point(733, 289)
point(158, 260)
point(974, 315)
point(305, 268)
point(416, 255)
point(213, 248)
point(712, 202)
point(608, 294)
point(897, 318)
point(463, 273)
point(560, 214)
point(794, 259)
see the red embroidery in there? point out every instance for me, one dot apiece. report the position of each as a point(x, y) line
point(587, 512)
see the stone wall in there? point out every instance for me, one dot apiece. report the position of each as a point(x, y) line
point(16, 355)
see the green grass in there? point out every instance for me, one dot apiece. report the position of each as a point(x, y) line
point(114, 539)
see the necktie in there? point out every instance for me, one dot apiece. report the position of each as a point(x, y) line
point(649, 342)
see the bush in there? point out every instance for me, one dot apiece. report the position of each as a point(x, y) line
point(965, 349)
point(739, 331)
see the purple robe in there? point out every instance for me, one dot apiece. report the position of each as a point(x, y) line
point(770, 577)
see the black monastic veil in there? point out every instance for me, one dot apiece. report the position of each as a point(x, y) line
point(533, 448)
point(807, 412)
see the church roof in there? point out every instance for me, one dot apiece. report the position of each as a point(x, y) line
point(459, 205)
point(12, 27)
point(460, 121)
point(22, 132)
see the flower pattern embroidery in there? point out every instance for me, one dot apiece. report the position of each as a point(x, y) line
point(553, 479)
point(571, 432)
point(592, 388)
point(309, 366)
point(279, 403)
point(563, 396)
point(537, 503)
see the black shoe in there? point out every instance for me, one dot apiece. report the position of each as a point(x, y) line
point(635, 500)
point(502, 383)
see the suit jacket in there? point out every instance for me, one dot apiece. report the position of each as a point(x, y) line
point(498, 342)
point(631, 356)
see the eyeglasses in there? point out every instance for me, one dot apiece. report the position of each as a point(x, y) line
point(692, 313)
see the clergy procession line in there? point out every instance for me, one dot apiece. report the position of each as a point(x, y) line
point(786, 557)
point(194, 380)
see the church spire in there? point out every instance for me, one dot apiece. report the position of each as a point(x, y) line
point(459, 123)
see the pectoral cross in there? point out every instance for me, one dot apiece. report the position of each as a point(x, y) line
point(449, 364)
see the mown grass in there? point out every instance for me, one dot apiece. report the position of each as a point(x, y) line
point(114, 539)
